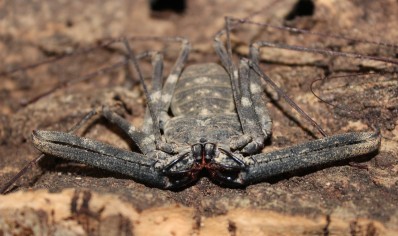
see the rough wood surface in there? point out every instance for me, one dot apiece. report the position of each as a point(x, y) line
point(73, 212)
point(354, 199)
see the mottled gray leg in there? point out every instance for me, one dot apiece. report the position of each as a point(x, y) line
point(254, 64)
point(160, 99)
point(152, 108)
point(169, 86)
point(254, 136)
point(314, 153)
point(171, 81)
point(156, 93)
point(97, 154)
point(145, 142)
point(104, 156)
point(259, 103)
point(249, 119)
point(311, 154)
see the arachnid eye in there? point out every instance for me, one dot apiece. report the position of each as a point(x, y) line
point(210, 151)
point(197, 152)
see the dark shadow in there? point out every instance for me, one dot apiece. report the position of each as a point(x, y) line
point(78, 169)
point(177, 6)
point(301, 8)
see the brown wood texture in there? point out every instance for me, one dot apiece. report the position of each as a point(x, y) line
point(344, 199)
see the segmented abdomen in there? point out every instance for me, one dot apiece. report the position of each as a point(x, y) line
point(214, 128)
point(203, 89)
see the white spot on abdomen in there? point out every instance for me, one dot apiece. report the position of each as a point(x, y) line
point(254, 88)
point(246, 102)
